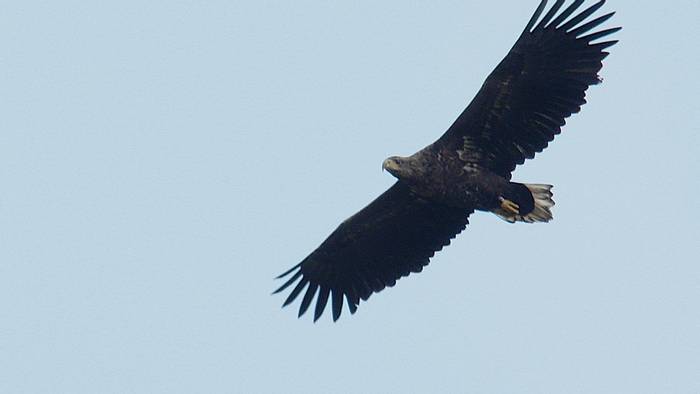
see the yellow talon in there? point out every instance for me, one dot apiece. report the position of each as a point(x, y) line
point(509, 206)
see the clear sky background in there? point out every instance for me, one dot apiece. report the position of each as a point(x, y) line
point(162, 161)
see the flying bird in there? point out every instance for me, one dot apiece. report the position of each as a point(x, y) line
point(519, 109)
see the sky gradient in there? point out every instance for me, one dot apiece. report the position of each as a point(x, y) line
point(161, 162)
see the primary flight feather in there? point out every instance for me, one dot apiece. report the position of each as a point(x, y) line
point(519, 109)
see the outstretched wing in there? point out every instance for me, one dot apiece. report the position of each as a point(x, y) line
point(524, 102)
point(393, 236)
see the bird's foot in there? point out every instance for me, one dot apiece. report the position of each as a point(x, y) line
point(509, 206)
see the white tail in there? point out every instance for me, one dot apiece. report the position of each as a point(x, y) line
point(542, 194)
point(543, 202)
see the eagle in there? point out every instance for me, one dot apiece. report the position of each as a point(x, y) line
point(517, 112)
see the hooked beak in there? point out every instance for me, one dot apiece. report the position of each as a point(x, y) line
point(390, 165)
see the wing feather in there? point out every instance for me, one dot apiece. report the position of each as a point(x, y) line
point(536, 15)
point(393, 236)
point(591, 25)
point(542, 81)
point(582, 16)
point(308, 297)
point(600, 34)
point(566, 13)
point(299, 287)
point(550, 15)
point(337, 303)
point(289, 281)
point(321, 301)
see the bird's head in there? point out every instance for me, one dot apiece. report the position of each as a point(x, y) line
point(396, 166)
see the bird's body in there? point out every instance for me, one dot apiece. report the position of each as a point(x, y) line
point(440, 176)
point(519, 109)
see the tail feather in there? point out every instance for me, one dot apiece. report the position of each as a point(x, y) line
point(542, 196)
point(543, 203)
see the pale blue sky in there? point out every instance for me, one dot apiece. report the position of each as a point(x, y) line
point(161, 162)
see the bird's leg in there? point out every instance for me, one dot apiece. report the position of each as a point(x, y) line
point(509, 206)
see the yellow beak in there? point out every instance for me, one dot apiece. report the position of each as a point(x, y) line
point(390, 165)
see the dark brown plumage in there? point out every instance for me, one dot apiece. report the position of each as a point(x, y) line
point(520, 108)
